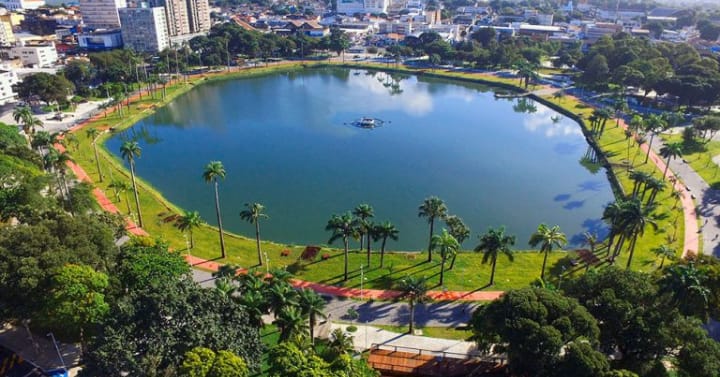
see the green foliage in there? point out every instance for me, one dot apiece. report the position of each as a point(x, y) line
point(288, 360)
point(582, 360)
point(203, 362)
point(532, 326)
point(228, 364)
point(48, 88)
point(76, 300)
point(142, 266)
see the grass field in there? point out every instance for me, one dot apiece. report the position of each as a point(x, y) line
point(699, 156)
point(451, 333)
point(468, 274)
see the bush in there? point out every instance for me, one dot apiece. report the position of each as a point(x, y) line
point(351, 328)
point(285, 253)
point(325, 256)
point(310, 253)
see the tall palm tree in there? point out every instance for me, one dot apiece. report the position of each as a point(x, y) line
point(591, 240)
point(654, 124)
point(92, 134)
point(189, 221)
point(214, 171)
point(130, 150)
point(120, 186)
point(664, 251)
point(655, 186)
point(341, 343)
point(369, 227)
point(252, 214)
point(256, 306)
point(458, 229)
point(432, 208)
point(281, 295)
point(363, 212)
point(612, 215)
point(342, 227)
point(548, 238)
point(311, 306)
point(291, 323)
point(603, 115)
point(669, 151)
point(24, 117)
point(687, 288)
point(383, 231)
point(639, 178)
point(448, 247)
point(492, 244)
point(635, 217)
point(414, 290)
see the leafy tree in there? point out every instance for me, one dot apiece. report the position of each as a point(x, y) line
point(432, 208)
point(457, 229)
point(687, 288)
point(533, 326)
point(383, 231)
point(414, 290)
point(596, 71)
point(214, 171)
point(187, 222)
point(699, 355)
point(47, 87)
point(288, 360)
point(141, 266)
point(197, 362)
point(582, 360)
point(81, 74)
point(92, 134)
point(492, 244)
point(252, 214)
point(130, 150)
point(448, 247)
point(338, 41)
point(664, 251)
point(342, 227)
point(547, 237)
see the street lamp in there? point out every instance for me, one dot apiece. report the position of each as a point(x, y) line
point(62, 362)
point(267, 262)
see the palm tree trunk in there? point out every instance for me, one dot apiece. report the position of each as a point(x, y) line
point(632, 251)
point(382, 251)
point(452, 263)
point(219, 220)
point(368, 249)
point(192, 241)
point(492, 272)
point(442, 271)
point(127, 202)
point(412, 316)
point(542, 274)
point(647, 156)
point(432, 225)
point(347, 246)
point(312, 328)
point(362, 242)
point(257, 242)
point(667, 165)
point(135, 191)
point(97, 161)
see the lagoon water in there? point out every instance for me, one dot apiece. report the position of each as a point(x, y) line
point(286, 141)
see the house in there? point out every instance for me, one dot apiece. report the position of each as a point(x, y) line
point(308, 28)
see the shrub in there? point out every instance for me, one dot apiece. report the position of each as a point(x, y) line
point(310, 253)
point(285, 253)
point(351, 328)
point(325, 256)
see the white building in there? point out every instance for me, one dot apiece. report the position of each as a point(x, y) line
point(144, 29)
point(100, 40)
point(8, 78)
point(350, 6)
point(22, 4)
point(101, 14)
point(7, 37)
point(36, 56)
point(185, 17)
point(376, 6)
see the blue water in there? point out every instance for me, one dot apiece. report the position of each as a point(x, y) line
point(286, 141)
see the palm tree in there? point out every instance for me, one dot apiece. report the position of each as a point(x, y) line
point(281, 295)
point(527, 71)
point(363, 212)
point(342, 227)
point(291, 323)
point(669, 151)
point(214, 171)
point(656, 186)
point(256, 306)
point(92, 134)
point(448, 247)
point(654, 124)
point(23, 116)
point(130, 150)
point(252, 214)
point(432, 208)
point(639, 178)
point(664, 251)
point(634, 218)
point(72, 140)
point(459, 230)
point(603, 115)
point(311, 306)
point(415, 291)
point(383, 231)
point(612, 216)
point(547, 237)
point(686, 287)
point(341, 343)
point(120, 186)
point(187, 222)
point(492, 244)
point(591, 240)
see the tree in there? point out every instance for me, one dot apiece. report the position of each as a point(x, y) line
point(287, 359)
point(252, 214)
point(312, 306)
point(457, 229)
point(342, 227)
point(686, 287)
point(23, 115)
point(92, 134)
point(653, 124)
point(634, 218)
point(197, 362)
point(492, 244)
point(47, 87)
point(363, 212)
point(214, 171)
point(189, 221)
point(699, 355)
point(120, 186)
point(448, 247)
point(77, 300)
point(432, 208)
point(596, 71)
point(341, 343)
point(670, 151)
point(291, 323)
point(664, 251)
point(140, 266)
point(548, 238)
point(130, 150)
point(383, 231)
point(533, 326)
point(338, 41)
point(414, 290)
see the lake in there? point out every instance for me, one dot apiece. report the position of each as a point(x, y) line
point(287, 141)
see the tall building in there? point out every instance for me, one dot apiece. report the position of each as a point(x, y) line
point(144, 29)
point(185, 16)
point(22, 4)
point(101, 14)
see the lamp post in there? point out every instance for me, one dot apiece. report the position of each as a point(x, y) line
point(62, 362)
point(267, 262)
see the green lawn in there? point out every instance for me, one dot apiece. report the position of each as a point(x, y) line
point(699, 156)
point(468, 274)
point(432, 332)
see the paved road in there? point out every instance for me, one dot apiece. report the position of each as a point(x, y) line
point(434, 314)
point(707, 202)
